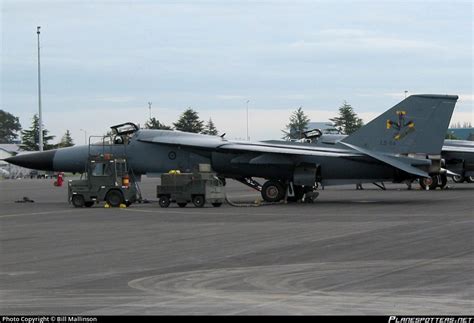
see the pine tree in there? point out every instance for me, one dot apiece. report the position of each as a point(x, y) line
point(298, 124)
point(347, 122)
point(30, 138)
point(451, 136)
point(9, 126)
point(154, 123)
point(66, 140)
point(210, 128)
point(189, 122)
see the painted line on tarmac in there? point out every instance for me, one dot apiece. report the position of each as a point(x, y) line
point(166, 212)
point(35, 213)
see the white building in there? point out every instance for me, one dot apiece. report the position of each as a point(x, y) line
point(8, 170)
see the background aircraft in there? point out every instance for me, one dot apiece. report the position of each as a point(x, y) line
point(459, 158)
point(404, 143)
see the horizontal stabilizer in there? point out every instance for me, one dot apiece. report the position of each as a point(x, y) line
point(460, 149)
point(396, 162)
point(286, 149)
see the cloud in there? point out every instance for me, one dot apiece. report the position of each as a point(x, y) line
point(290, 96)
point(397, 95)
point(466, 98)
point(462, 117)
point(354, 40)
point(214, 56)
point(116, 99)
point(230, 97)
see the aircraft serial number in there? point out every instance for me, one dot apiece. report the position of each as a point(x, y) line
point(388, 143)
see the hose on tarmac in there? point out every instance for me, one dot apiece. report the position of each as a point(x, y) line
point(259, 202)
point(256, 203)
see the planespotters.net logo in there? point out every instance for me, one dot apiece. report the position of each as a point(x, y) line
point(432, 319)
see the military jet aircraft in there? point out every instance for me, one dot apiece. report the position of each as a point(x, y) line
point(401, 144)
point(459, 158)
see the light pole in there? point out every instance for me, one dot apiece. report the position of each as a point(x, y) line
point(149, 108)
point(40, 115)
point(85, 136)
point(406, 94)
point(248, 138)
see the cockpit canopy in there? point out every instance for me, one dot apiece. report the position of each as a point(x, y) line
point(312, 134)
point(126, 128)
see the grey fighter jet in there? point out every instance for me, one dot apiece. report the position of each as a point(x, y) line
point(459, 159)
point(401, 144)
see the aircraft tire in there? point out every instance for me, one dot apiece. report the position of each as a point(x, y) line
point(431, 182)
point(273, 191)
point(458, 179)
point(78, 200)
point(164, 201)
point(199, 200)
point(114, 198)
point(470, 179)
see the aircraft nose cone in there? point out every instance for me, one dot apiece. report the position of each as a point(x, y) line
point(38, 160)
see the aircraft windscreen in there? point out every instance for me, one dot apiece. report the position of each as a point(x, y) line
point(125, 128)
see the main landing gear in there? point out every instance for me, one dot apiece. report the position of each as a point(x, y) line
point(275, 191)
point(431, 183)
point(461, 179)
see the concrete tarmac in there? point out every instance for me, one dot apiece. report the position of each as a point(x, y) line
point(351, 252)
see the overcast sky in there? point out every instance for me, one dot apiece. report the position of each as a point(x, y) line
point(103, 61)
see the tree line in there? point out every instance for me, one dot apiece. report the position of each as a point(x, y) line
point(10, 128)
point(347, 122)
point(188, 122)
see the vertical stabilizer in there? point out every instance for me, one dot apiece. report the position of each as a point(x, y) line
point(417, 124)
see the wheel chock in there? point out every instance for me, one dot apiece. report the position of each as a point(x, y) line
point(106, 205)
